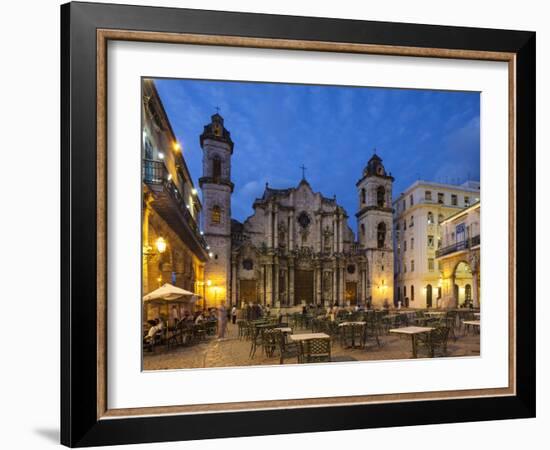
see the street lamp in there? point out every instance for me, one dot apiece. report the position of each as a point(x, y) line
point(161, 245)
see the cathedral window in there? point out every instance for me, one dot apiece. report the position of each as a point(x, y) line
point(362, 229)
point(380, 196)
point(430, 218)
point(440, 198)
point(304, 220)
point(216, 168)
point(248, 264)
point(412, 243)
point(428, 196)
point(216, 214)
point(381, 235)
point(351, 269)
point(412, 265)
point(363, 196)
point(430, 241)
point(411, 223)
point(412, 293)
point(440, 218)
point(411, 201)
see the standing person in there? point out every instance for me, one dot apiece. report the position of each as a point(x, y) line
point(234, 315)
point(222, 321)
point(175, 316)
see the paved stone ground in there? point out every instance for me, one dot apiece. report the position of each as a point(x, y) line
point(234, 352)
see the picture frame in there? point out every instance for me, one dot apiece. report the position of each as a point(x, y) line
point(86, 28)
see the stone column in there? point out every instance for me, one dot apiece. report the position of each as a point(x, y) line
point(320, 237)
point(291, 284)
point(269, 283)
point(270, 225)
point(275, 227)
point(475, 289)
point(283, 296)
point(291, 231)
point(334, 236)
point(276, 301)
point(342, 284)
point(234, 297)
point(318, 285)
point(340, 234)
point(363, 287)
point(334, 284)
point(147, 200)
point(263, 295)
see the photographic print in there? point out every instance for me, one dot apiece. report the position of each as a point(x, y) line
point(293, 224)
point(298, 199)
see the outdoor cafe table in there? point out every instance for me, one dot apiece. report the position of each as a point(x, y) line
point(412, 332)
point(434, 313)
point(284, 329)
point(306, 336)
point(344, 324)
point(472, 323)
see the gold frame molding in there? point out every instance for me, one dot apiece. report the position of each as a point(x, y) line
point(105, 35)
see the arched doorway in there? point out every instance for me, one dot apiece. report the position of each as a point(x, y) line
point(429, 296)
point(462, 282)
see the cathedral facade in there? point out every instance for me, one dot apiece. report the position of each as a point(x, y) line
point(297, 247)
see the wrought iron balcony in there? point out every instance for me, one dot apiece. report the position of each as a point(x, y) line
point(459, 246)
point(170, 203)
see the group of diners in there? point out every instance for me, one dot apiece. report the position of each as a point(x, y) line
point(191, 328)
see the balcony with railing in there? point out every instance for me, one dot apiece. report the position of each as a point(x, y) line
point(466, 244)
point(170, 204)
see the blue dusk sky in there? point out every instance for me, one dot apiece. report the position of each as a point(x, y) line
point(332, 130)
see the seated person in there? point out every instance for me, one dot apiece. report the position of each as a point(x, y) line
point(156, 328)
point(199, 318)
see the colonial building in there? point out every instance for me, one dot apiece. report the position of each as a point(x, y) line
point(174, 251)
point(459, 258)
point(296, 248)
point(419, 214)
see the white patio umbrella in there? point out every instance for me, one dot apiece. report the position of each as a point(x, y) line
point(170, 293)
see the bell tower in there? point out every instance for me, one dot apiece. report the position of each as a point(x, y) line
point(374, 227)
point(217, 188)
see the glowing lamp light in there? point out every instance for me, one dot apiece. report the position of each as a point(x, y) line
point(207, 247)
point(177, 146)
point(169, 176)
point(161, 245)
point(210, 254)
point(194, 191)
point(209, 282)
point(161, 155)
point(202, 233)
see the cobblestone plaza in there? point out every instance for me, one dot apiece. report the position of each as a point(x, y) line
point(232, 351)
